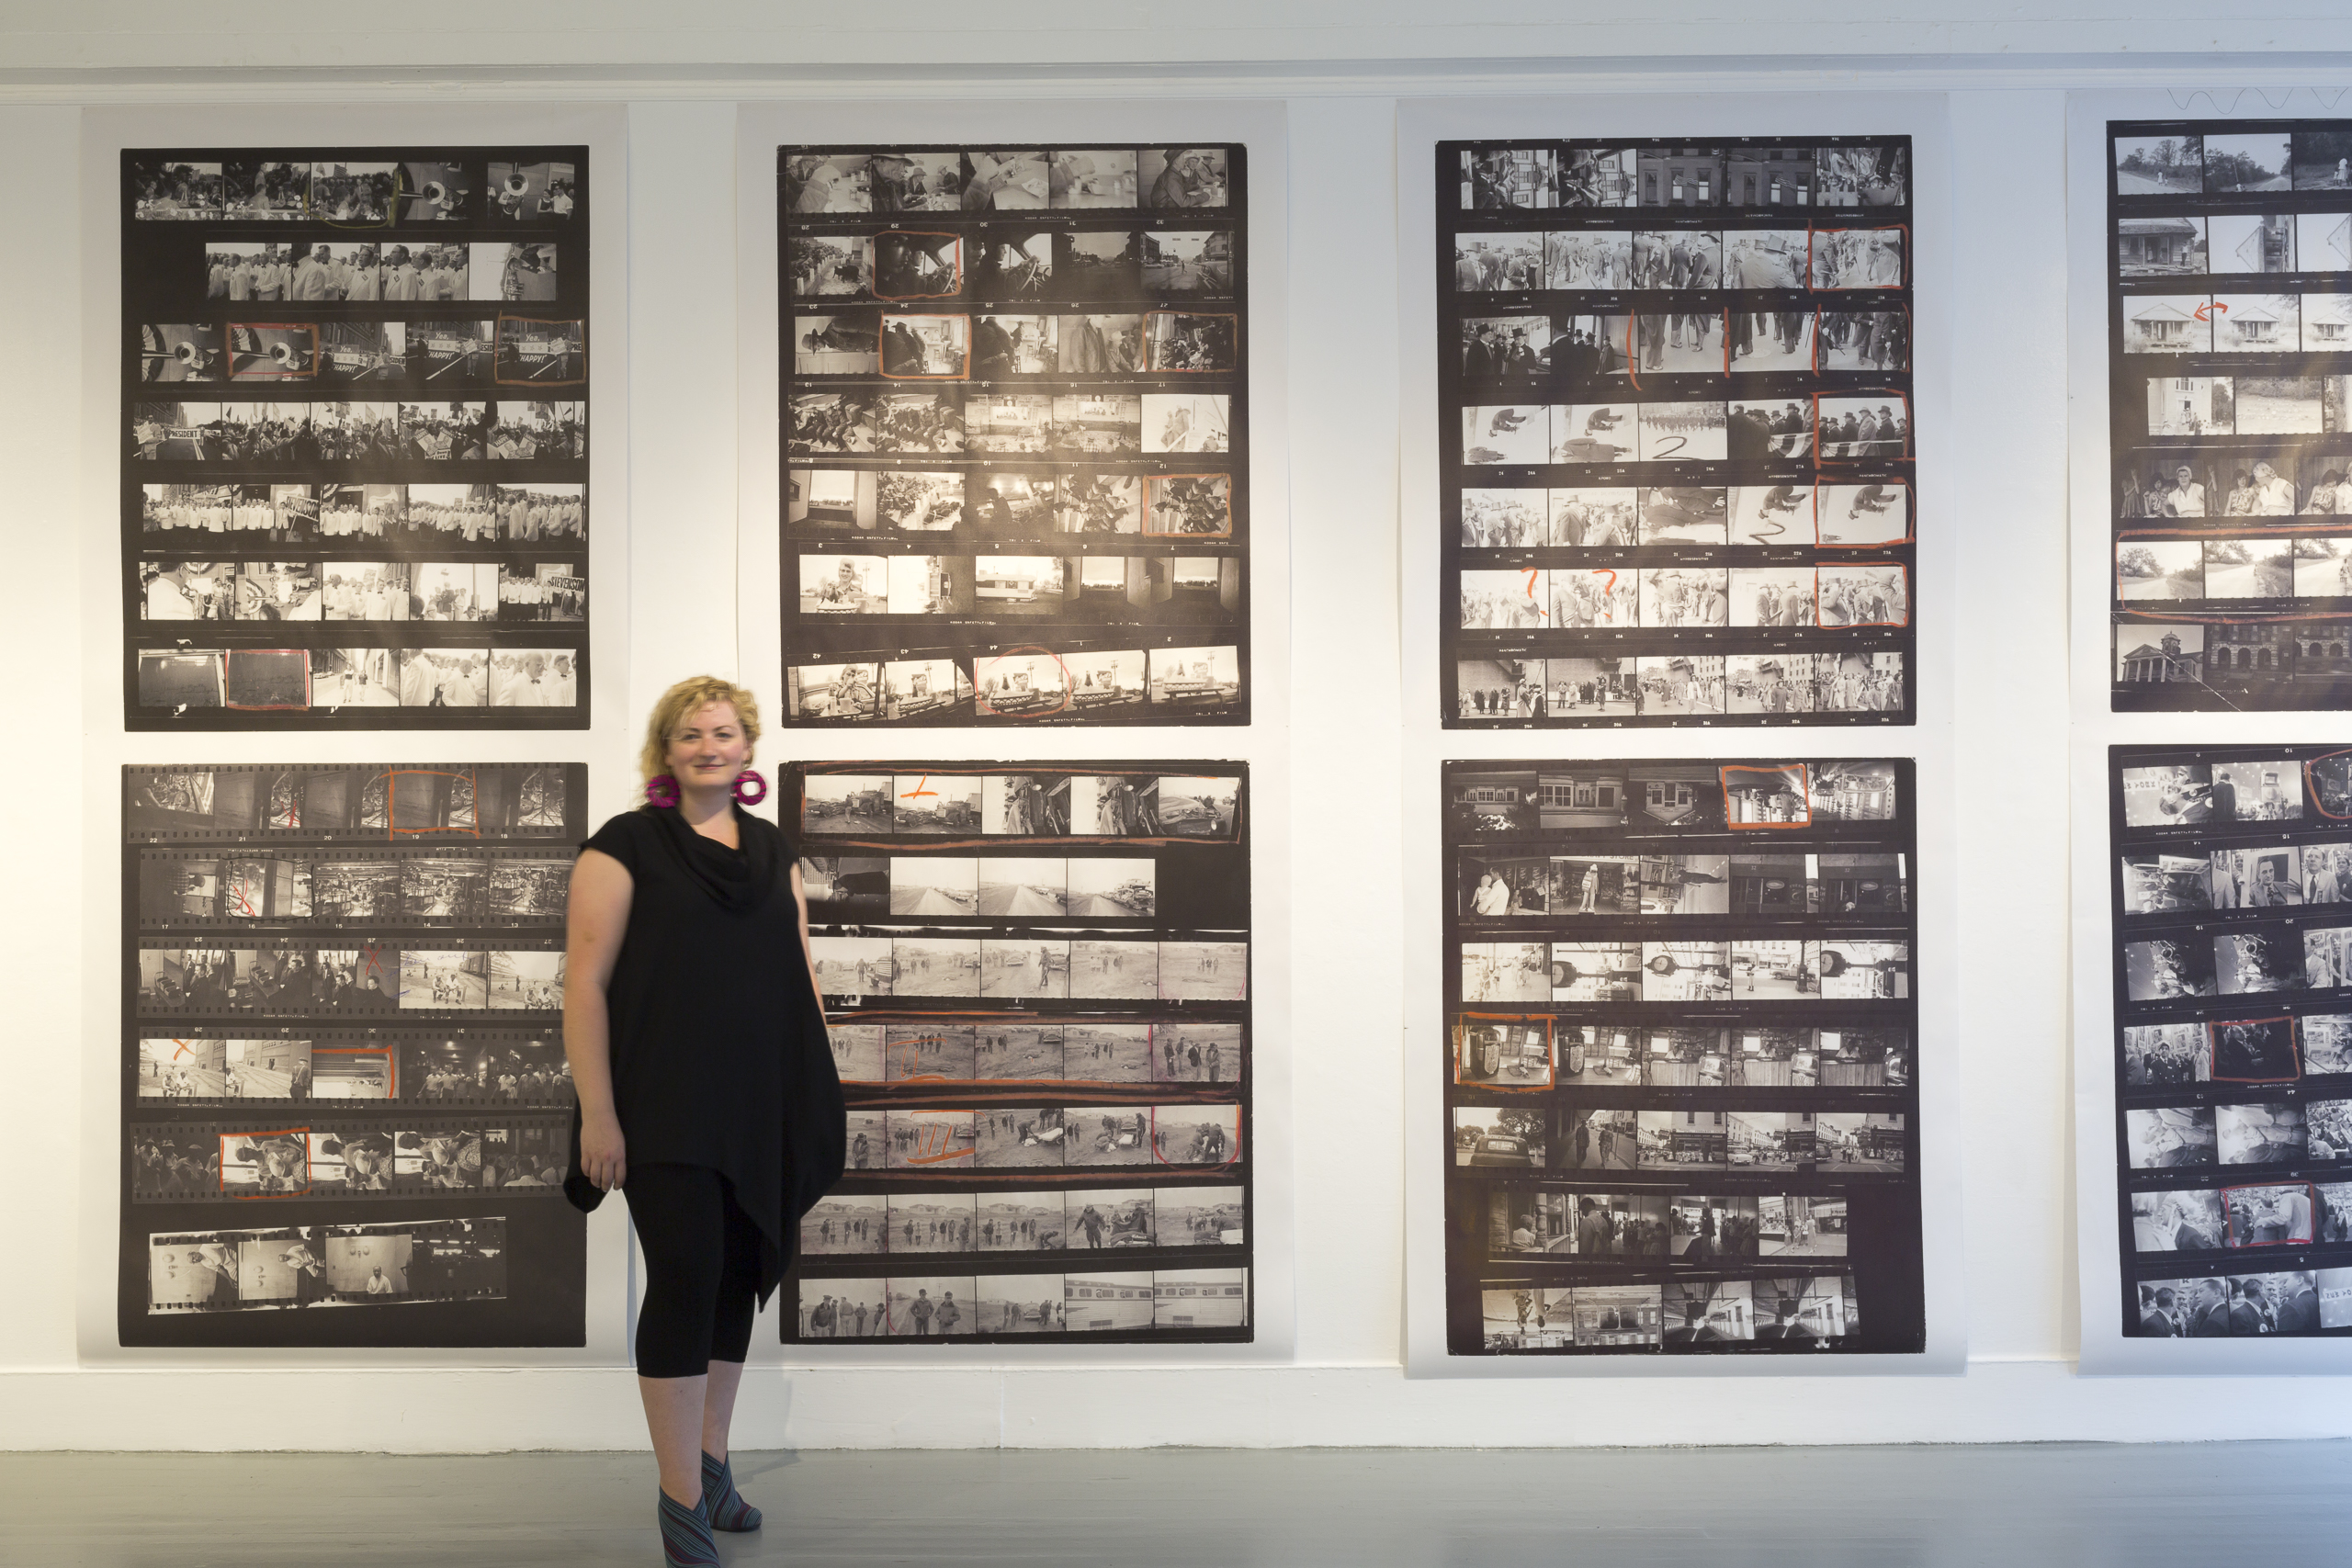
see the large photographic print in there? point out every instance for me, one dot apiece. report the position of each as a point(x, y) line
point(2230, 360)
point(1681, 1091)
point(1677, 450)
point(1016, 450)
point(1039, 981)
point(355, 438)
point(344, 1082)
point(2232, 906)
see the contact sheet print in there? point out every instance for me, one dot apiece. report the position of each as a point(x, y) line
point(1015, 440)
point(1680, 1074)
point(2233, 1055)
point(1038, 979)
point(1676, 447)
point(355, 426)
point(343, 1081)
point(2229, 296)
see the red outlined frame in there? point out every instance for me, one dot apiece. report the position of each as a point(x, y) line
point(963, 374)
point(2229, 1215)
point(229, 339)
point(1006, 840)
point(1462, 1025)
point(392, 777)
point(389, 1052)
point(229, 655)
point(1910, 522)
point(498, 351)
point(301, 1134)
point(1152, 481)
point(1850, 626)
point(1903, 399)
point(1804, 776)
point(1143, 358)
point(874, 259)
point(1901, 229)
point(2310, 784)
point(2213, 1048)
point(980, 699)
point(1819, 312)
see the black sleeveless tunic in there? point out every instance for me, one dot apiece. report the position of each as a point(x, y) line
point(718, 1039)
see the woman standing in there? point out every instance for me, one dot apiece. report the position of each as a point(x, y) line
point(706, 1089)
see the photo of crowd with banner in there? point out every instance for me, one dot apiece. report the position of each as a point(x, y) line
point(1038, 981)
point(1016, 434)
point(342, 1080)
point(366, 370)
point(1676, 445)
point(1680, 1070)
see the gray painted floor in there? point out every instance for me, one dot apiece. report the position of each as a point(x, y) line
point(2080, 1505)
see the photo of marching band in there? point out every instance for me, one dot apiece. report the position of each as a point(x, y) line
point(2230, 357)
point(2235, 1058)
point(336, 971)
point(1672, 356)
point(1037, 984)
point(999, 385)
point(1669, 968)
point(403, 370)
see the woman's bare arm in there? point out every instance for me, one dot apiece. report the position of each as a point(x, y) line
point(597, 917)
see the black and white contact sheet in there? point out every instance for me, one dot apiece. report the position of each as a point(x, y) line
point(1675, 450)
point(342, 997)
point(1015, 434)
point(2232, 1060)
point(355, 427)
point(2228, 249)
point(1681, 1068)
point(1039, 981)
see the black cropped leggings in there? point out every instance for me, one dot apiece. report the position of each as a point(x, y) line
point(702, 1270)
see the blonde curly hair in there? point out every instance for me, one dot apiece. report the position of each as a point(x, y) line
point(680, 701)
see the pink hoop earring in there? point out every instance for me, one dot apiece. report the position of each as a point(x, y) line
point(750, 788)
point(661, 790)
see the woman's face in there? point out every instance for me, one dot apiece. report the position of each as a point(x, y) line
point(709, 748)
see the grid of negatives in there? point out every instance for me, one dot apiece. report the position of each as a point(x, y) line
point(2230, 362)
point(1015, 411)
point(1681, 1089)
point(355, 426)
point(1675, 445)
point(1038, 979)
point(343, 1079)
point(2233, 1051)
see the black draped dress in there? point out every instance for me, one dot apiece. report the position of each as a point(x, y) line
point(719, 1049)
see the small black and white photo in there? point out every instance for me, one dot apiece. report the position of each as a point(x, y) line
point(2264, 789)
point(1502, 1053)
point(180, 189)
point(1857, 258)
point(816, 182)
point(1864, 595)
point(1175, 178)
point(1521, 433)
point(2158, 165)
point(2262, 878)
point(1510, 519)
point(2184, 1219)
point(857, 1049)
point(932, 1222)
point(2259, 1133)
point(928, 1308)
point(1867, 427)
point(928, 1140)
point(1509, 179)
point(1179, 262)
point(1509, 263)
point(1511, 1137)
point(2258, 1050)
point(915, 265)
point(1111, 1053)
point(823, 265)
point(2323, 242)
point(183, 353)
point(945, 804)
point(2326, 1040)
point(1104, 970)
point(1005, 345)
point(915, 181)
point(1098, 264)
point(2328, 1130)
point(1764, 428)
point(1200, 971)
point(1080, 179)
point(1875, 341)
point(2156, 883)
point(530, 193)
point(355, 195)
point(2254, 324)
point(1682, 433)
point(2249, 243)
point(2243, 164)
point(1196, 1134)
point(853, 966)
point(2327, 958)
point(846, 1224)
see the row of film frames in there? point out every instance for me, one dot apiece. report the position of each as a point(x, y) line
point(322, 345)
point(416, 885)
point(178, 1162)
point(399, 1262)
point(1710, 1072)
point(2230, 368)
point(1676, 432)
point(1009, 1127)
point(2233, 1056)
point(1003, 344)
point(277, 804)
point(448, 977)
point(210, 1065)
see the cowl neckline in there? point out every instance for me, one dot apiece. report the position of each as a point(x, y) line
point(735, 880)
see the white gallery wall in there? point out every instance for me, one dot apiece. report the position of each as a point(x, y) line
point(1342, 1043)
